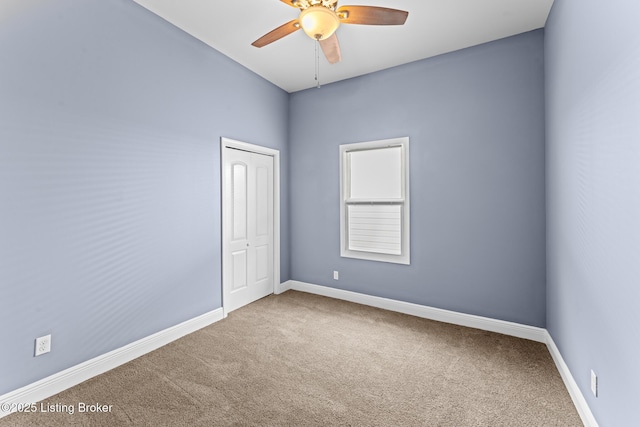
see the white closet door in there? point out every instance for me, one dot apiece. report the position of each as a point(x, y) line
point(248, 201)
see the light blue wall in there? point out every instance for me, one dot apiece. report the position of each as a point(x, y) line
point(593, 199)
point(110, 120)
point(475, 119)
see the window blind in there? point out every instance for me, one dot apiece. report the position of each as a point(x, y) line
point(375, 228)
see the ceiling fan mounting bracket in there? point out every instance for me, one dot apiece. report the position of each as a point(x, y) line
point(305, 4)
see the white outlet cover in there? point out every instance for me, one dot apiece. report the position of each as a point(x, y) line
point(336, 275)
point(43, 345)
point(594, 383)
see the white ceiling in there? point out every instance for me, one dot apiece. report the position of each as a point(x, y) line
point(432, 28)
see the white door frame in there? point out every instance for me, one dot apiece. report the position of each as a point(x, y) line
point(245, 146)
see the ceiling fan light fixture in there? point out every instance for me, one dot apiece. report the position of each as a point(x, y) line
point(319, 22)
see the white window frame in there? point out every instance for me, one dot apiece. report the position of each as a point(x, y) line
point(403, 201)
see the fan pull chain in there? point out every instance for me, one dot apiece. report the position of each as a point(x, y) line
point(317, 64)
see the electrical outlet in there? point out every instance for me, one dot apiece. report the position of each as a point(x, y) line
point(336, 276)
point(43, 345)
point(594, 383)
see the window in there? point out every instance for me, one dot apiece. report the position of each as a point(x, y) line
point(374, 200)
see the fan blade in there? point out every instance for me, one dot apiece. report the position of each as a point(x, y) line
point(331, 48)
point(371, 15)
point(277, 34)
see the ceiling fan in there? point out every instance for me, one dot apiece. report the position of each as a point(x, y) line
point(321, 18)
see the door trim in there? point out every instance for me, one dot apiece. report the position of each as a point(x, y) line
point(245, 146)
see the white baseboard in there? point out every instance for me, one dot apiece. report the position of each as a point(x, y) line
point(469, 320)
point(70, 377)
point(572, 387)
point(282, 287)
point(487, 324)
point(63, 380)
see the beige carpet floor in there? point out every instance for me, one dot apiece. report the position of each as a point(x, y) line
point(298, 359)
